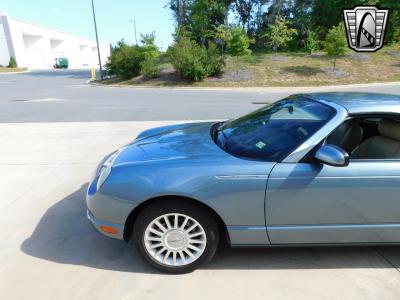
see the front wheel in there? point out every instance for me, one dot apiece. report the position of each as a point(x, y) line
point(176, 237)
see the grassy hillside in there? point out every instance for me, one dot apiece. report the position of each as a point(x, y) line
point(290, 69)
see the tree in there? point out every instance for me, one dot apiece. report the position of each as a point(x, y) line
point(221, 35)
point(279, 34)
point(244, 9)
point(12, 63)
point(204, 16)
point(238, 44)
point(181, 9)
point(336, 43)
point(312, 43)
point(278, 9)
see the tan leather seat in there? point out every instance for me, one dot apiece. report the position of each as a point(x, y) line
point(347, 136)
point(384, 146)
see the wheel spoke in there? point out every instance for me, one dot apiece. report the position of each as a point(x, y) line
point(197, 242)
point(196, 234)
point(176, 221)
point(167, 222)
point(183, 258)
point(156, 232)
point(191, 228)
point(193, 247)
point(166, 256)
point(153, 246)
point(153, 239)
point(174, 258)
point(160, 251)
point(184, 223)
point(160, 226)
point(188, 252)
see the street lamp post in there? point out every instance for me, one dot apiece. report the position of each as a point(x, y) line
point(97, 41)
point(134, 26)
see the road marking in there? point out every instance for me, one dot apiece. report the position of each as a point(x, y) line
point(48, 99)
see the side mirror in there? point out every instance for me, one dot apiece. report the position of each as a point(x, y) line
point(333, 156)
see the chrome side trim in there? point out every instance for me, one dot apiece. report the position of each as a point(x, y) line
point(241, 227)
point(342, 177)
point(338, 226)
point(302, 150)
point(242, 177)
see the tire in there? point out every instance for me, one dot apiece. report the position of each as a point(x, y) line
point(177, 238)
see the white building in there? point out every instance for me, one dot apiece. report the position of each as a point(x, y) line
point(36, 47)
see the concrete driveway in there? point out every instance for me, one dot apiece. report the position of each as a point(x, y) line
point(48, 249)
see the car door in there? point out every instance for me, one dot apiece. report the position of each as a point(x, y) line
point(321, 204)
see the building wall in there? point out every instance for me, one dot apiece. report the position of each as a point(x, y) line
point(37, 47)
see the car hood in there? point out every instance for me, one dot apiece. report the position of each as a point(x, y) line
point(184, 141)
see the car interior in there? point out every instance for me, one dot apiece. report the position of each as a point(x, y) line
point(368, 138)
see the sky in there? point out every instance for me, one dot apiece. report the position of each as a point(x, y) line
point(113, 16)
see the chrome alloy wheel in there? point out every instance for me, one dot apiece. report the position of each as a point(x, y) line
point(175, 239)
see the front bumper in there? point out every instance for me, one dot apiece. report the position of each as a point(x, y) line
point(107, 211)
point(98, 224)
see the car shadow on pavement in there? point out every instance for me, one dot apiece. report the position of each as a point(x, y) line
point(65, 236)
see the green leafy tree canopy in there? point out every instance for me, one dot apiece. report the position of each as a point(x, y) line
point(238, 42)
point(336, 43)
point(279, 34)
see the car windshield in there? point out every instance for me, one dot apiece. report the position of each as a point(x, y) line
point(275, 130)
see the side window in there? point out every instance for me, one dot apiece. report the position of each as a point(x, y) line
point(347, 136)
point(384, 145)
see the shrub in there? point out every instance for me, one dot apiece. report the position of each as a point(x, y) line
point(125, 61)
point(150, 66)
point(312, 43)
point(214, 59)
point(12, 63)
point(194, 61)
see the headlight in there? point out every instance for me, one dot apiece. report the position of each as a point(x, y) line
point(105, 169)
point(103, 174)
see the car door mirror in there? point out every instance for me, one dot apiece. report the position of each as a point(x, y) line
point(333, 156)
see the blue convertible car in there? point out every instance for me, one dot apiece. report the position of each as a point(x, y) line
point(311, 169)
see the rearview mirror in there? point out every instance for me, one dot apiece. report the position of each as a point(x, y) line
point(333, 156)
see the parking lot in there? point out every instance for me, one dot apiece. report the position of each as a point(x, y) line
point(53, 131)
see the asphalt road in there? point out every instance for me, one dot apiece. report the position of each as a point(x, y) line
point(63, 96)
point(53, 131)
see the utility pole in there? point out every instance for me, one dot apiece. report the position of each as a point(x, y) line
point(97, 41)
point(134, 26)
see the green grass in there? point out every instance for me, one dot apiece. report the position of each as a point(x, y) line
point(291, 69)
point(8, 70)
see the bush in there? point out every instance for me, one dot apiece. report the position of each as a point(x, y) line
point(128, 61)
point(193, 61)
point(12, 63)
point(150, 66)
point(125, 61)
point(312, 43)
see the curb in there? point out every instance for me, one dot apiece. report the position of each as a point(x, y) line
point(19, 72)
point(255, 89)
